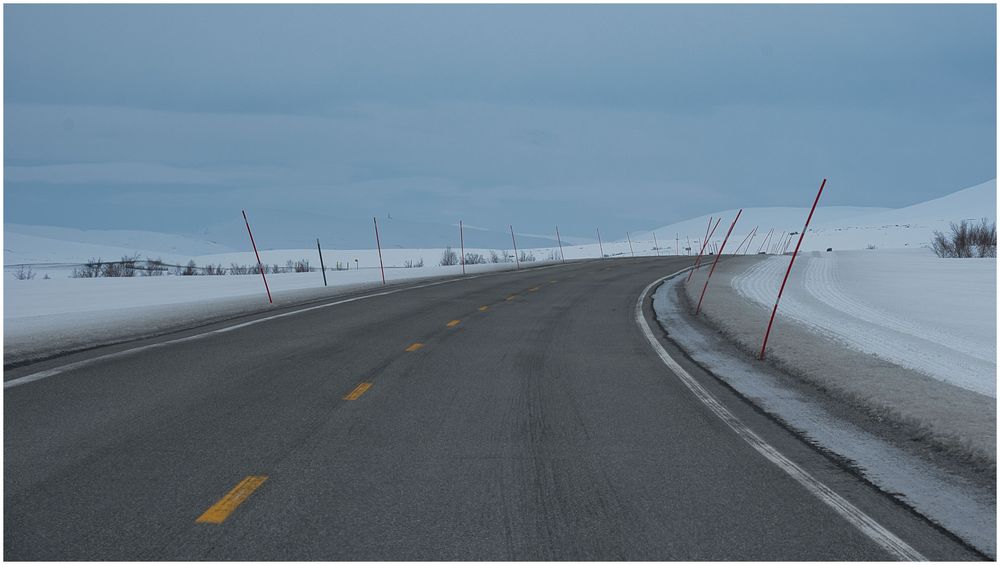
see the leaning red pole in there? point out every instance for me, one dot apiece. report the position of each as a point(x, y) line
point(558, 238)
point(512, 240)
point(630, 244)
point(599, 243)
point(704, 244)
point(763, 346)
point(379, 244)
point(656, 245)
point(260, 267)
point(716, 262)
point(461, 238)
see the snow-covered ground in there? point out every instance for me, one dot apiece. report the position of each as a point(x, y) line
point(911, 308)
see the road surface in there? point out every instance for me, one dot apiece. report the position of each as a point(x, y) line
point(505, 417)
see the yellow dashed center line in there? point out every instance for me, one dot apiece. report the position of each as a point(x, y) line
point(483, 308)
point(511, 297)
point(218, 512)
point(534, 289)
point(358, 391)
point(414, 347)
point(453, 323)
point(553, 281)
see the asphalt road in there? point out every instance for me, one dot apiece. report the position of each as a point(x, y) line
point(534, 421)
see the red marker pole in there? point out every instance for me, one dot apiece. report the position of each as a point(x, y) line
point(764, 241)
point(763, 346)
point(656, 245)
point(379, 244)
point(599, 243)
point(516, 260)
point(677, 243)
point(260, 267)
point(716, 262)
point(630, 244)
point(704, 244)
point(559, 239)
point(461, 238)
point(745, 239)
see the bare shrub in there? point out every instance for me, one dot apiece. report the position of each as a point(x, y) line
point(190, 270)
point(494, 256)
point(301, 266)
point(449, 258)
point(410, 263)
point(154, 268)
point(474, 259)
point(24, 273)
point(967, 239)
point(237, 269)
point(527, 256)
point(553, 255)
point(211, 269)
point(89, 270)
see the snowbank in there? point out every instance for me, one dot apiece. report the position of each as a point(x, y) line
point(906, 351)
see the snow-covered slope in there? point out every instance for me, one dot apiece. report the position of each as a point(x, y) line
point(48, 244)
point(841, 227)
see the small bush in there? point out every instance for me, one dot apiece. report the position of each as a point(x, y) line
point(154, 268)
point(554, 255)
point(449, 258)
point(190, 270)
point(494, 256)
point(967, 239)
point(474, 259)
point(24, 273)
point(527, 257)
point(89, 270)
point(300, 266)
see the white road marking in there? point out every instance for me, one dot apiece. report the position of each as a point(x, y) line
point(866, 524)
point(69, 367)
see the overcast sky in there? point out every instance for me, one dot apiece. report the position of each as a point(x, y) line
point(173, 118)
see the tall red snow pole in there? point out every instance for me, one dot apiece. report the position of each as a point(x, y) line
point(763, 346)
point(559, 239)
point(599, 243)
point(763, 242)
point(461, 239)
point(745, 239)
point(379, 244)
point(630, 244)
point(716, 262)
point(704, 244)
point(260, 267)
point(516, 260)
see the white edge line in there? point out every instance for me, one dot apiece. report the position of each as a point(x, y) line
point(76, 365)
point(866, 524)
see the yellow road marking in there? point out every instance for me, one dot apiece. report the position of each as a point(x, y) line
point(553, 281)
point(483, 308)
point(218, 512)
point(511, 297)
point(414, 347)
point(453, 323)
point(358, 391)
point(534, 289)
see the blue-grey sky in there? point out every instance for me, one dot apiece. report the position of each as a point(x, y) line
point(173, 118)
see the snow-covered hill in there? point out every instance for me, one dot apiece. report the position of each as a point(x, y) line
point(843, 228)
